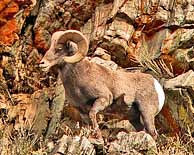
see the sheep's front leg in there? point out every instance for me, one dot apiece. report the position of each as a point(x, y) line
point(99, 105)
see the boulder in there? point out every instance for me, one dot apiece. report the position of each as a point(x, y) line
point(134, 143)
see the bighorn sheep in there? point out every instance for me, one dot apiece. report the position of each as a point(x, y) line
point(92, 87)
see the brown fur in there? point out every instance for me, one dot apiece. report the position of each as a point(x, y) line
point(92, 88)
point(86, 81)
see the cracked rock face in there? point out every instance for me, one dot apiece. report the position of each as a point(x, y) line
point(156, 35)
point(132, 143)
point(74, 145)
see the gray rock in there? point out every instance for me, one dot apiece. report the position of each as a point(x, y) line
point(133, 143)
point(178, 111)
point(100, 52)
point(108, 64)
point(181, 38)
point(185, 80)
point(74, 145)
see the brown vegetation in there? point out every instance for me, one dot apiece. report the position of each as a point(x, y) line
point(152, 36)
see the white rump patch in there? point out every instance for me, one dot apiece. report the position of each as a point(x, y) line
point(161, 95)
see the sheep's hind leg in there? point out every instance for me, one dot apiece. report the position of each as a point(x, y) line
point(148, 118)
point(149, 125)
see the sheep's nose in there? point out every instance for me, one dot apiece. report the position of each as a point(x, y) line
point(44, 65)
point(41, 63)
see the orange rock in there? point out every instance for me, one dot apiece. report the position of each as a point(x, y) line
point(39, 40)
point(4, 3)
point(170, 120)
point(8, 25)
point(22, 2)
point(8, 32)
point(10, 10)
point(171, 62)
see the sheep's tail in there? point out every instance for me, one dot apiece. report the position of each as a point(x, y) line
point(161, 95)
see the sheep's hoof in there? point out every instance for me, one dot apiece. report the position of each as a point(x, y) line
point(96, 137)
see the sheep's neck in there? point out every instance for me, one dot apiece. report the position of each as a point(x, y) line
point(70, 72)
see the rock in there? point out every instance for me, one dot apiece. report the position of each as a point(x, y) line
point(162, 13)
point(181, 38)
point(117, 4)
point(27, 112)
point(190, 13)
point(130, 10)
point(69, 15)
point(107, 64)
point(73, 145)
point(133, 143)
point(145, 47)
point(104, 60)
point(10, 26)
point(177, 114)
point(119, 28)
point(117, 124)
point(56, 108)
point(177, 13)
point(185, 57)
point(102, 53)
point(99, 21)
point(116, 39)
point(163, 30)
point(179, 16)
point(154, 42)
point(42, 39)
point(177, 49)
point(185, 80)
point(42, 112)
point(87, 29)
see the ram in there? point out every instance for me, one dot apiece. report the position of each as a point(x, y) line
point(92, 88)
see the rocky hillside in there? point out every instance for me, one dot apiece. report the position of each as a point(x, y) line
point(152, 36)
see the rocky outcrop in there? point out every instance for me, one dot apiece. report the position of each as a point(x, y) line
point(179, 103)
point(155, 36)
point(73, 145)
point(133, 143)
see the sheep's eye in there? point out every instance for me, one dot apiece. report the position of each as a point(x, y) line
point(59, 48)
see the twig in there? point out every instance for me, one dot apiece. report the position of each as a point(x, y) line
point(10, 96)
point(7, 91)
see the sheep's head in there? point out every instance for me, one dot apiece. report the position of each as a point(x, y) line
point(69, 46)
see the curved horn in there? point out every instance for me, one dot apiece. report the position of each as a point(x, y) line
point(81, 41)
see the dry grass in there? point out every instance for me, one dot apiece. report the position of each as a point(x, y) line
point(177, 145)
point(145, 58)
point(25, 143)
point(21, 142)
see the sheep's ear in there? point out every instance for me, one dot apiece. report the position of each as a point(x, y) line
point(71, 48)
